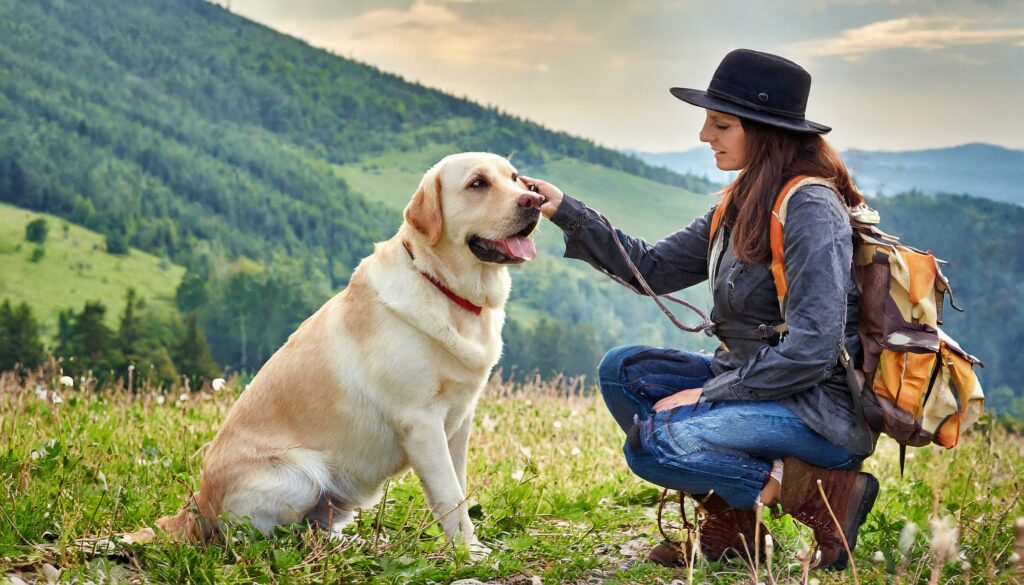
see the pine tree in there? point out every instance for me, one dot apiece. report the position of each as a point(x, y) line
point(128, 333)
point(19, 338)
point(193, 357)
point(85, 341)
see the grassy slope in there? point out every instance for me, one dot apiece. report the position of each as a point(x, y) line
point(556, 500)
point(75, 269)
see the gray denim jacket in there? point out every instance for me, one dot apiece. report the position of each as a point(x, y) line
point(801, 371)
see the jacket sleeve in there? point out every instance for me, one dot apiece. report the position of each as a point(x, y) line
point(818, 245)
point(676, 262)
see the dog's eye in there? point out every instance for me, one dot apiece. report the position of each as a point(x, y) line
point(478, 184)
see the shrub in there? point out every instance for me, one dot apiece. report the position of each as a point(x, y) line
point(37, 230)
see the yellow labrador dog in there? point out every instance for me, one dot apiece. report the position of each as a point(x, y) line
point(386, 375)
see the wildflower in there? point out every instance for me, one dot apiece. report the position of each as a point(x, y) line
point(526, 452)
point(1013, 559)
point(878, 557)
point(529, 403)
point(55, 398)
point(518, 474)
point(102, 479)
point(160, 399)
point(36, 455)
point(488, 423)
point(575, 451)
point(183, 398)
point(218, 384)
point(67, 381)
point(574, 413)
point(944, 539)
point(907, 537)
point(557, 424)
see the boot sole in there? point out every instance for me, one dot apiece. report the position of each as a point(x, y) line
point(867, 493)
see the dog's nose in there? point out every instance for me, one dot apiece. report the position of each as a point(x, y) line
point(530, 200)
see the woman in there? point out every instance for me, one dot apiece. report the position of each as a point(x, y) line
point(720, 427)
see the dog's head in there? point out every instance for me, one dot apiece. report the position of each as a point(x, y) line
point(476, 200)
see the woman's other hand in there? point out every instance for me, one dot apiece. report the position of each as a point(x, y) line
point(681, 398)
point(551, 194)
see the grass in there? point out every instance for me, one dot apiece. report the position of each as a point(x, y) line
point(554, 500)
point(75, 268)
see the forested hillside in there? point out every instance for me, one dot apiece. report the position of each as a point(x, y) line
point(191, 133)
point(982, 241)
point(267, 168)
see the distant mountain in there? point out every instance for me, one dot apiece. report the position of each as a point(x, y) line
point(696, 161)
point(982, 170)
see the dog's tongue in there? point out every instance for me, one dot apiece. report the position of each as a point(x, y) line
point(520, 247)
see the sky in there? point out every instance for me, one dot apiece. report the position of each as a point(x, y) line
point(887, 74)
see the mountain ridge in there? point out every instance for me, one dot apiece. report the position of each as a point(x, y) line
point(977, 168)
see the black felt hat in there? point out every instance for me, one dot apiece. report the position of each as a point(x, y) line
point(758, 86)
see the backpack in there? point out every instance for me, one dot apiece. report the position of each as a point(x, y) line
point(914, 383)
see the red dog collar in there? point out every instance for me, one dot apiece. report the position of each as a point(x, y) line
point(464, 303)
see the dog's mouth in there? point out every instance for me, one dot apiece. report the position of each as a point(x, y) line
point(514, 249)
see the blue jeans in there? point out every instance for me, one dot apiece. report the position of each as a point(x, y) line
point(727, 447)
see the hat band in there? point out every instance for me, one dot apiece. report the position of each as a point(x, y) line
point(753, 106)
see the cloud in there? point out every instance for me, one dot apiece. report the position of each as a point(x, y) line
point(438, 31)
point(909, 32)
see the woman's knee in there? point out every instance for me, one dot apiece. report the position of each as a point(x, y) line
point(609, 369)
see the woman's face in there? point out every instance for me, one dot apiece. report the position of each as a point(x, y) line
point(724, 132)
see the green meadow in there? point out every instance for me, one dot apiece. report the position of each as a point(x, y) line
point(75, 268)
point(552, 498)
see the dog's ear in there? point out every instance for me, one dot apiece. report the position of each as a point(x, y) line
point(424, 210)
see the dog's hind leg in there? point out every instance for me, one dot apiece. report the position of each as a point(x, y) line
point(282, 490)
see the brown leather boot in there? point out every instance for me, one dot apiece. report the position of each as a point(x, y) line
point(851, 494)
point(720, 530)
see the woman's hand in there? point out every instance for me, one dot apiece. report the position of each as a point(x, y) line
point(681, 398)
point(552, 195)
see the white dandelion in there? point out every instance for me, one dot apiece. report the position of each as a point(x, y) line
point(183, 398)
point(907, 537)
point(557, 424)
point(575, 451)
point(218, 384)
point(518, 474)
point(67, 381)
point(160, 399)
point(488, 423)
point(878, 557)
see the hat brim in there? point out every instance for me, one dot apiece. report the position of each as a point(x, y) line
point(701, 98)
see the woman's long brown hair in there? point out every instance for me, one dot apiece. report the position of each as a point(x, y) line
point(773, 157)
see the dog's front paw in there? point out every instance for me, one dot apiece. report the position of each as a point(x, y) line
point(478, 552)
